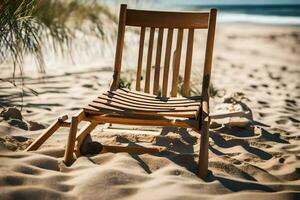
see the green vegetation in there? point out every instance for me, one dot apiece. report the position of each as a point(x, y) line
point(127, 79)
point(123, 83)
point(195, 89)
point(27, 24)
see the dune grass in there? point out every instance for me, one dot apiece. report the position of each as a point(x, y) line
point(27, 24)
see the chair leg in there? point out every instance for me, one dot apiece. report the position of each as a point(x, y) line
point(87, 129)
point(50, 130)
point(203, 155)
point(68, 157)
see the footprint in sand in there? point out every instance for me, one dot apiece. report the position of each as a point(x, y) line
point(282, 121)
point(281, 160)
point(88, 85)
point(263, 102)
point(253, 86)
point(290, 102)
point(283, 68)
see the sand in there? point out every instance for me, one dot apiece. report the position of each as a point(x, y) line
point(255, 67)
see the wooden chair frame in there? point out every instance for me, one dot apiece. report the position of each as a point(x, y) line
point(160, 20)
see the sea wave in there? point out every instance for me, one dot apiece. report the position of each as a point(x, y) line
point(261, 19)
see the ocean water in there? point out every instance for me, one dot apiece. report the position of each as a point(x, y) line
point(261, 14)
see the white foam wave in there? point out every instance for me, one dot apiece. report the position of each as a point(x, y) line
point(261, 19)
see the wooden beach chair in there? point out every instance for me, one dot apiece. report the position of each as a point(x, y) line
point(151, 107)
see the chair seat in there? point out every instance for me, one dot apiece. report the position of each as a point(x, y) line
point(144, 109)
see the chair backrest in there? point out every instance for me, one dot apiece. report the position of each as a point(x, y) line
point(165, 21)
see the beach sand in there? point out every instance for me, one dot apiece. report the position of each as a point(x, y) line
point(256, 66)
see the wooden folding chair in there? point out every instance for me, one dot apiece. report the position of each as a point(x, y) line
point(124, 106)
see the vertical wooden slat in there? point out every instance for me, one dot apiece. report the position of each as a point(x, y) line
point(188, 63)
point(209, 51)
point(167, 62)
point(140, 60)
point(158, 61)
point(149, 60)
point(205, 120)
point(119, 49)
point(177, 63)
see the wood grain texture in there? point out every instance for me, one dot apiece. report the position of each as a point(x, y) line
point(160, 19)
point(49, 131)
point(177, 63)
point(138, 101)
point(150, 121)
point(188, 63)
point(205, 119)
point(167, 63)
point(157, 98)
point(119, 49)
point(140, 60)
point(141, 108)
point(68, 157)
point(102, 106)
point(157, 106)
point(158, 61)
point(84, 131)
point(149, 60)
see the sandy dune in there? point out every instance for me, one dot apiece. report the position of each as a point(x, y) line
point(256, 66)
